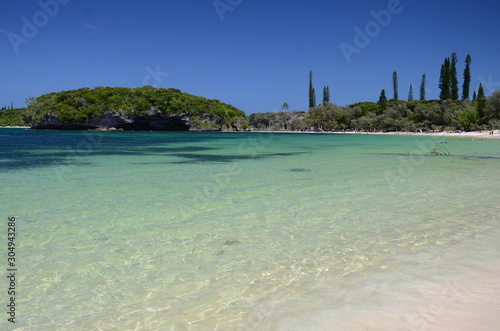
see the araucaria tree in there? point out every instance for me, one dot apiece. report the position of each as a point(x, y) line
point(481, 102)
point(382, 100)
point(395, 84)
point(466, 86)
point(410, 94)
point(453, 77)
point(326, 95)
point(444, 80)
point(312, 94)
point(422, 89)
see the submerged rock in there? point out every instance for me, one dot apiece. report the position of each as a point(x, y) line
point(299, 170)
point(231, 242)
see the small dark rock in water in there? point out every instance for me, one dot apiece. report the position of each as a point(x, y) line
point(231, 242)
point(299, 170)
point(220, 252)
point(101, 239)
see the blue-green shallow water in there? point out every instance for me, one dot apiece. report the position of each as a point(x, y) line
point(228, 231)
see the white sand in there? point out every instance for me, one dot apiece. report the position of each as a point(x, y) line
point(471, 134)
point(470, 303)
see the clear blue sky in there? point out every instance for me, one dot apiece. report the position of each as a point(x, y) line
point(256, 58)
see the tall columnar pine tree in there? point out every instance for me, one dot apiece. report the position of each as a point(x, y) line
point(395, 84)
point(444, 80)
point(312, 96)
point(453, 77)
point(481, 102)
point(422, 89)
point(326, 95)
point(382, 100)
point(480, 93)
point(474, 98)
point(466, 86)
point(410, 94)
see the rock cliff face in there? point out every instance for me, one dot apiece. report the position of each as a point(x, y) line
point(154, 120)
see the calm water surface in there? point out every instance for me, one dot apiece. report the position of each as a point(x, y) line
point(236, 231)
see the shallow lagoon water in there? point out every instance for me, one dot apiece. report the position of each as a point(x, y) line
point(228, 231)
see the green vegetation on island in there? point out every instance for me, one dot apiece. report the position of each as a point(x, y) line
point(387, 115)
point(448, 113)
point(85, 105)
point(13, 117)
point(170, 109)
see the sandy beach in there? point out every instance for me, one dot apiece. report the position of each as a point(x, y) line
point(468, 303)
point(471, 134)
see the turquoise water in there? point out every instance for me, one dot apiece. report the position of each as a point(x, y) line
point(238, 231)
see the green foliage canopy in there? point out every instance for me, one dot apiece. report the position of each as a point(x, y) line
point(79, 106)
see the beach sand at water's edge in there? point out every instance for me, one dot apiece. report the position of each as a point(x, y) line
point(468, 303)
point(471, 134)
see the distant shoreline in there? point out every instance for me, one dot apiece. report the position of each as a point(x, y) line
point(470, 134)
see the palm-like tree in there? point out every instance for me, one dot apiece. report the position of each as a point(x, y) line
point(284, 108)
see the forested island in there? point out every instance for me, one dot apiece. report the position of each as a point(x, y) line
point(140, 108)
point(148, 108)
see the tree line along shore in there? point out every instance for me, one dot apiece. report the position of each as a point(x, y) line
point(392, 115)
point(170, 109)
